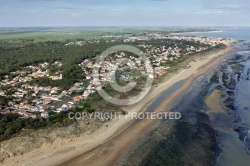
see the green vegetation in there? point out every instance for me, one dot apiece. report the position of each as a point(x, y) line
point(49, 34)
point(10, 124)
point(14, 58)
point(219, 87)
point(215, 78)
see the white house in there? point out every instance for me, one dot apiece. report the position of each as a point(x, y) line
point(45, 114)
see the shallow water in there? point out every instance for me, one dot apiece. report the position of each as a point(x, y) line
point(233, 153)
point(164, 95)
point(234, 125)
point(235, 122)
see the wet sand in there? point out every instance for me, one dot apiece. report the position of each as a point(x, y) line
point(213, 101)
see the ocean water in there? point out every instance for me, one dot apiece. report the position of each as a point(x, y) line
point(233, 33)
point(235, 141)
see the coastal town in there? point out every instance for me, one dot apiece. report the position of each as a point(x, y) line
point(30, 100)
point(124, 83)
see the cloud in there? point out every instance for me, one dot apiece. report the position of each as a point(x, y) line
point(124, 12)
point(234, 5)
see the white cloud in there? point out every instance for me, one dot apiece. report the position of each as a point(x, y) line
point(227, 4)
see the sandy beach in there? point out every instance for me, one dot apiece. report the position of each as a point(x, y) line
point(111, 140)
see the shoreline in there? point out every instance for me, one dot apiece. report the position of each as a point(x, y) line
point(88, 146)
point(181, 33)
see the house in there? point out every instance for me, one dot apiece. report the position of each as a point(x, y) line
point(14, 112)
point(86, 94)
point(30, 115)
point(77, 98)
point(89, 76)
point(45, 114)
point(58, 110)
point(4, 112)
point(161, 72)
point(72, 89)
point(23, 113)
point(1, 93)
point(56, 77)
point(70, 103)
point(53, 91)
point(47, 106)
point(64, 107)
point(18, 95)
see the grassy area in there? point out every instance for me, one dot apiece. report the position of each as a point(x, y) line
point(74, 33)
point(54, 34)
point(62, 34)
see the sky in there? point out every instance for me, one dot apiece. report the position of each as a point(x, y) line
point(29, 13)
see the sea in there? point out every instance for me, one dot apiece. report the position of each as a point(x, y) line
point(235, 145)
point(234, 138)
point(232, 33)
